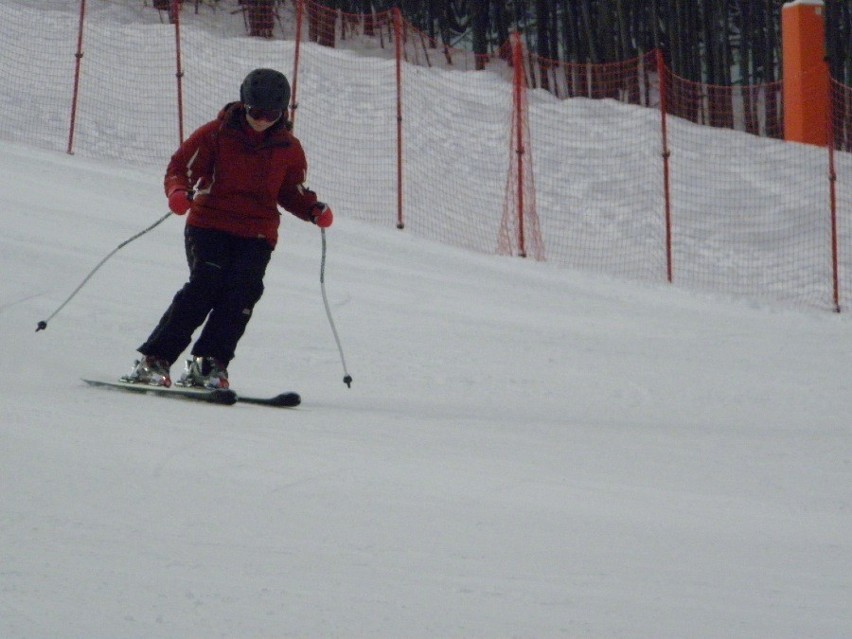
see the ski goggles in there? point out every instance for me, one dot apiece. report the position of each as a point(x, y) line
point(258, 113)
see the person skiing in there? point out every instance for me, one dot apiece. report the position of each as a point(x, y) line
point(230, 176)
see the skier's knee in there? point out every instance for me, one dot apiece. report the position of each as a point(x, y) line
point(247, 287)
point(206, 279)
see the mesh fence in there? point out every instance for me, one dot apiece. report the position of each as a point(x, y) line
point(750, 237)
point(428, 141)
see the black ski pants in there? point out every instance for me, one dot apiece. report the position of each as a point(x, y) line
point(225, 282)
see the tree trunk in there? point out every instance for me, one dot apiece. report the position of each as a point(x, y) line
point(479, 25)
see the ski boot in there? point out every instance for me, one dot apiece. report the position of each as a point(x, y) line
point(204, 372)
point(150, 370)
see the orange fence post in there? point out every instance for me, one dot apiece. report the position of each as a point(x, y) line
point(832, 200)
point(666, 153)
point(519, 88)
point(805, 72)
point(397, 36)
point(519, 205)
point(294, 103)
point(79, 56)
point(178, 68)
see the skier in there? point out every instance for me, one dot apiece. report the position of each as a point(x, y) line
point(230, 175)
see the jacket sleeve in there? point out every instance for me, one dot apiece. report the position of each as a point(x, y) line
point(293, 195)
point(193, 161)
point(298, 200)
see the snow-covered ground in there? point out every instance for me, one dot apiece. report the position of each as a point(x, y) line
point(526, 451)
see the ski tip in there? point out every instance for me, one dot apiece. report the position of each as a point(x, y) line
point(288, 399)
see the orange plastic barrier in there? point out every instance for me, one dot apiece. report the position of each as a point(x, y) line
point(805, 72)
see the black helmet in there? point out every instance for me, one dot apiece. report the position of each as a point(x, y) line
point(265, 88)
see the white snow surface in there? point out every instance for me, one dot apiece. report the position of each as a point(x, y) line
point(525, 451)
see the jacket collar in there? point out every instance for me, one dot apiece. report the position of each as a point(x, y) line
point(233, 118)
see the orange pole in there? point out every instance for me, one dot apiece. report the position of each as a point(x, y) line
point(397, 36)
point(79, 56)
point(805, 72)
point(661, 74)
point(300, 11)
point(832, 199)
point(179, 71)
point(519, 88)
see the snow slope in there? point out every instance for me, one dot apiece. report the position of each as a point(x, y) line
point(525, 451)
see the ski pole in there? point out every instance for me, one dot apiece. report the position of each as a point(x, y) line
point(43, 324)
point(347, 378)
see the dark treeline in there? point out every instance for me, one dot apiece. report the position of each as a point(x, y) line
point(723, 42)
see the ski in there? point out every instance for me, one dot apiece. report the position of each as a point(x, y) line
point(219, 396)
point(226, 397)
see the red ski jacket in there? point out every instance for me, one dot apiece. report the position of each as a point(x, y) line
point(240, 177)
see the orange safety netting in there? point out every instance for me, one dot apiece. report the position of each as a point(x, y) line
point(533, 157)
